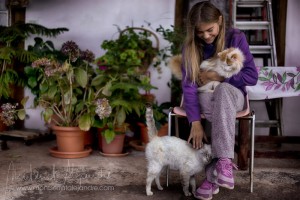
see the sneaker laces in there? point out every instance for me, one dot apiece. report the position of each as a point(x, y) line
point(226, 166)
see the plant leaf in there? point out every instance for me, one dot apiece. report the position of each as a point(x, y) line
point(47, 114)
point(81, 77)
point(109, 135)
point(85, 122)
point(21, 114)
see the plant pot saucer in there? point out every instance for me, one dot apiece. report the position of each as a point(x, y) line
point(59, 154)
point(124, 153)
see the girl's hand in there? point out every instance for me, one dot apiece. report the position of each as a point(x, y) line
point(197, 135)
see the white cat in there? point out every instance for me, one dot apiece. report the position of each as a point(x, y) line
point(226, 64)
point(175, 153)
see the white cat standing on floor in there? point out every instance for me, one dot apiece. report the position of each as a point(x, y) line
point(226, 64)
point(174, 152)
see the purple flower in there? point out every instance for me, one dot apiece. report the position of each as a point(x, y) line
point(103, 67)
point(71, 49)
point(87, 55)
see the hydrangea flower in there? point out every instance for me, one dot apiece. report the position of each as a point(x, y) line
point(87, 55)
point(71, 49)
point(8, 113)
point(103, 109)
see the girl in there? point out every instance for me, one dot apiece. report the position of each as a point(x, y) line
point(206, 36)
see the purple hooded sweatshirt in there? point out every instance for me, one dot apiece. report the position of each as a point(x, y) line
point(248, 76)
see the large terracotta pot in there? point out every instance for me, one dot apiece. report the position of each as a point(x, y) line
point(69, 139)
point(88, 139)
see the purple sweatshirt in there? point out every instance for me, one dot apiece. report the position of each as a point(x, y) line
point(246, 77)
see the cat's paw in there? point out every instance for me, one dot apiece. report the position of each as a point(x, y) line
point(160, 188)
point(149, 193)
point(187, 194)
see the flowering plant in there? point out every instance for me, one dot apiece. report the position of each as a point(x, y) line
point(122, 68)
point(10, 112)
point(68, 86)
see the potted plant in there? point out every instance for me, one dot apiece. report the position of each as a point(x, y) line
point(68, 91)
point(160, 117)
point(12, 55)
point(175, 37)
point(122, 68)
point(122, 92)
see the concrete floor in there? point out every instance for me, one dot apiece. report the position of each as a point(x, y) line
point(29, 172)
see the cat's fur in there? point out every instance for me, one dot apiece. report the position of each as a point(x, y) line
point(175, 153)
point(228, 63)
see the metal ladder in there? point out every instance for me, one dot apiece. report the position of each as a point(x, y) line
point(254, 18)
point(263, 21)
point(4, 15)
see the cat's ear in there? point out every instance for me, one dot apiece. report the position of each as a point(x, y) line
point(222, 55)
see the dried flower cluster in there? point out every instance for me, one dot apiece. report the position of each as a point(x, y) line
point(8, 114)
point(71, 49)
point(87, 55)
point(51, 66)
point(103, 109)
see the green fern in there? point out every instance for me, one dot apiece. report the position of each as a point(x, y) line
point(21, 31)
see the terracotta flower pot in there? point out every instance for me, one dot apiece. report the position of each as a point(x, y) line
point(99, 131)
point(148, 98)
point(3, 127)
point(88, 138)
point(115, 147)
point(144, 133)
point(163, 131)
point(69, 139)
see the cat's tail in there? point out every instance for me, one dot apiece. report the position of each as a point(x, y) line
point(175, 66)
point(152, 131)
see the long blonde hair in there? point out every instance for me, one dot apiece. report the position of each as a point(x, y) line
point(202, 12)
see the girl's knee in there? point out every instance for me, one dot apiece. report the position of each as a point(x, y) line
point(223, 88)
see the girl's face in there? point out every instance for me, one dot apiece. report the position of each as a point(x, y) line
point(208, 31)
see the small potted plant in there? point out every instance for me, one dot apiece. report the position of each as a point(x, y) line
point(122, 92)
point(122, 69)
point(161, 121)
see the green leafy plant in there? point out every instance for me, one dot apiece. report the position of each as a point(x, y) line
point(11, 53)
point(159, 113)
point(133, 51)
point(175, 37)
point(122, 71)
point(68, 85)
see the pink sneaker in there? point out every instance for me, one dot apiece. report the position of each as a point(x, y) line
point(206, 190)
point(224, 173)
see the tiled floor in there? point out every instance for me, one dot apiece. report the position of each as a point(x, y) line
point(29, 172)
